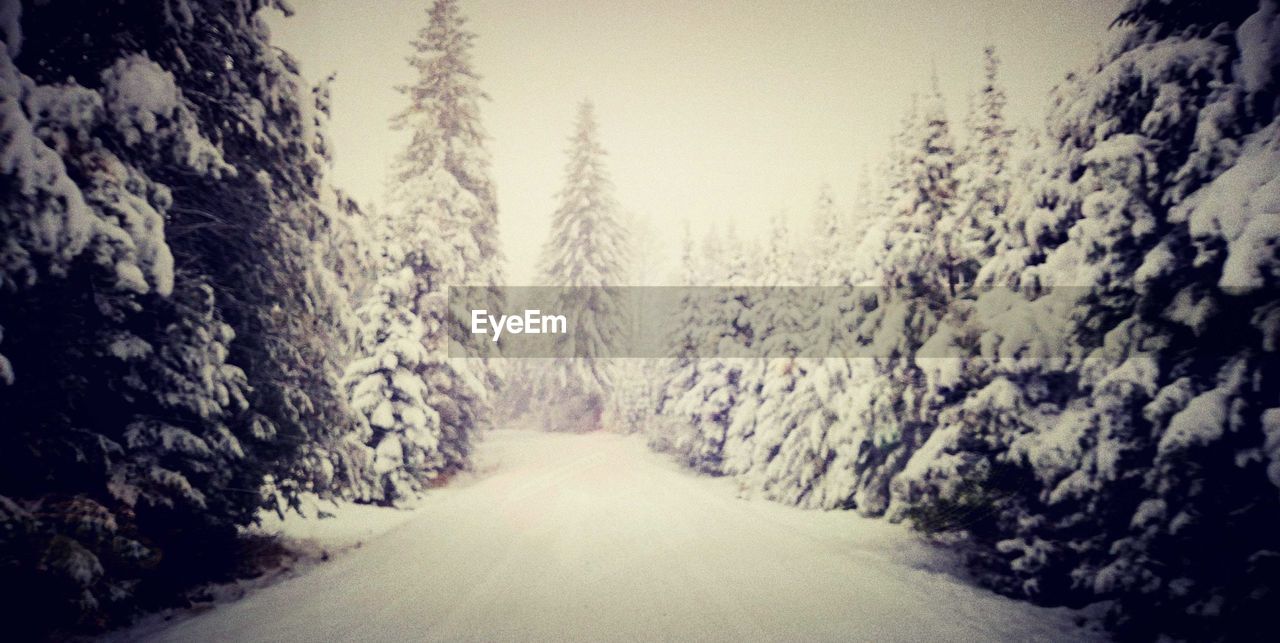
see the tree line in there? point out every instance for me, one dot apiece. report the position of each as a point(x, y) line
point(1113, 436)
point(195, 324)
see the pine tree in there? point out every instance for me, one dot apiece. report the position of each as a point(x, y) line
point(163, 296)
point(1131, 470)
point(778, 322)
point(922, 260)
point(828, 241)
point(388, 387)
point(984, 181)
point(348, 247)
point(101, 335)
point(727, 334)
point(636, 395)
point(809, 418)
point(586, 255)
point(958, 455)
point(445, 210)
point(442, 177)
point(256, 233)
point(802, 403)
point(673, 433)
point(920, 279)
point(1178, 373)
point(847, 447)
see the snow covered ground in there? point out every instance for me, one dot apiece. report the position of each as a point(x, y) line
point(347, 525)
point(594, 537)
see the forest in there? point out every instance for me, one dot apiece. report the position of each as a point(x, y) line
point(1050, 350)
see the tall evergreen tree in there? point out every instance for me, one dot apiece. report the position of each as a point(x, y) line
point(445, 212)
point(920, 278)
point(586, 254)
point(164, 297)
point(921, 261)
point(956, 459)
point(1177, 371)
point(828, 241)
point(802, 406)
point(985, 182)
point(1131, 470)
point(636, 394)
point(442, 176)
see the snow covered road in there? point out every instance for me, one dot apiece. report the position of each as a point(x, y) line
point(594, 537)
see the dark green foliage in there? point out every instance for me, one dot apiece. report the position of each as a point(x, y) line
point(154, 409)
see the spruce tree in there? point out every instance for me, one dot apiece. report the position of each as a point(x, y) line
point(163, 296)
point(1130, 469)
point(444, 210)
point(1177, 368)
point(958, 455)
point(673, 432)
point(919, 279)
point(985, 182)
point(586, 255)
point(388, 387)
point(442, 176)
point(727, 333)
point(778, 334)
point(802, 403)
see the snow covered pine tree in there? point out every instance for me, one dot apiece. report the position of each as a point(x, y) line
point(586, 254)
point(167, 323)
point(388, 386)
point(442, 228)
point(1141, 468)
point(921, 276)
point(1162, 458)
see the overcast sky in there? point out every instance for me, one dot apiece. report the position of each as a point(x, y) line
point(709, 110)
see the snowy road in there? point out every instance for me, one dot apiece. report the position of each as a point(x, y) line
point(593, 537)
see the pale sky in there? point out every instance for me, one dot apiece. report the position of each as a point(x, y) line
point(710, 111)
